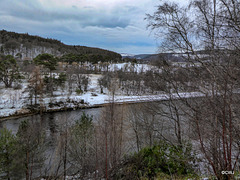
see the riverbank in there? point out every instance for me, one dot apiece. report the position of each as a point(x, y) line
point(87, 100)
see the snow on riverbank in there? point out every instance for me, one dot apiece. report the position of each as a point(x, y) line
point(90, 99)
point(16, 101)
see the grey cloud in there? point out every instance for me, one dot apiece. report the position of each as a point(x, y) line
point(131, 9)
point(84, 17)
point(88, 7)
point(118, 28)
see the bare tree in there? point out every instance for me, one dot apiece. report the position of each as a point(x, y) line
point(35, 84)
point(111, 137)
point(30, 149)
point(212, 72)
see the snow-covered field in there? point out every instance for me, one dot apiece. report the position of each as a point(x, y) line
point(131, 67)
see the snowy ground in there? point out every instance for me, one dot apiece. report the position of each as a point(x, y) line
point(15, 102)
point(132, 67)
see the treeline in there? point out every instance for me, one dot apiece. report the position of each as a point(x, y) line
point(16, 44)
point(93, 58)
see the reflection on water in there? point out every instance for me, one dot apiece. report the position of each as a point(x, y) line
point(51, 122)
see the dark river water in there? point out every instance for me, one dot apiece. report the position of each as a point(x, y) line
point(52, 124)
point(53, 121)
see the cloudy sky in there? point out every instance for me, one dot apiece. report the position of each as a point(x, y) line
point(116, 25)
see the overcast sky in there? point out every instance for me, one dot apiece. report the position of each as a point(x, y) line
point(116, 25)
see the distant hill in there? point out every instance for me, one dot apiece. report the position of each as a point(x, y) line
point(125, 55)
point(139, 56)
point(26, 46)
point(146, 58)
point(172, 57)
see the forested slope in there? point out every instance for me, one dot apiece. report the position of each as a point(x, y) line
point(28, 46)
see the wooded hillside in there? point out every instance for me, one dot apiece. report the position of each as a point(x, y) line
point(28, 46)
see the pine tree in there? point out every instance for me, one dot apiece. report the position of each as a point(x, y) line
point(80, 146)
point(49, 62)
point(9, 169)
point(9, 71)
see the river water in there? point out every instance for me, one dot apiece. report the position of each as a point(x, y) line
point(55, 123)
point(51, 122)
point(157, 120)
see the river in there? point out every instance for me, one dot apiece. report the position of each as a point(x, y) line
point(134, 116)
point(52, 124)
point(50, 121)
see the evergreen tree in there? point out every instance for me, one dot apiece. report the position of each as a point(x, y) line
point(49, 62)
point(61, 80)
point(9, 71)
point(9, 167)
point(80, 146)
